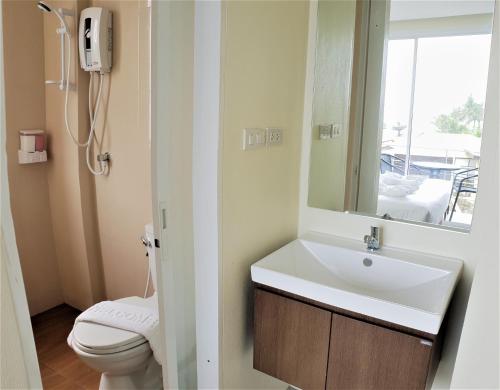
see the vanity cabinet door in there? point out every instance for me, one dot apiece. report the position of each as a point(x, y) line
point(366, 356)
point(291, 340)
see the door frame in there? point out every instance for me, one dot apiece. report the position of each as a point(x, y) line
point(186, 69)
point(206, 189)
point(166, 22)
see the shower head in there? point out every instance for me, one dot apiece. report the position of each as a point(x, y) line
point(43, 6)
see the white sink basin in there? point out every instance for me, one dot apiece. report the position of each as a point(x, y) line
point(403, 287)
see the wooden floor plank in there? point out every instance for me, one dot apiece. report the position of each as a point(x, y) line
point(60, 367)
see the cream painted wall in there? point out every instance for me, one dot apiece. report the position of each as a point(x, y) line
point(25, 109)
point(70, 185)
point(470, 247)
point(86, 231)
point(75, 245)
point(263, 63)
point(124, 197)
point(14, 373)
point(98, 220)
point(18, 361)
point(332, 92)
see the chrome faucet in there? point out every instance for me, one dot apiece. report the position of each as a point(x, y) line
point(372, 240)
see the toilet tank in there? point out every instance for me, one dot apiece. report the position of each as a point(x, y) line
point(150, 235)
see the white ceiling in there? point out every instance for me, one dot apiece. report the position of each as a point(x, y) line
point(425, 9)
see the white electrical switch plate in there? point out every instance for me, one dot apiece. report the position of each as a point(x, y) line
point(329, 131)
point(325, 131)
point(253, 138)
point(274, 136)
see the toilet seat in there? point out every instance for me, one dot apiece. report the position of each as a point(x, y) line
point(103, 340)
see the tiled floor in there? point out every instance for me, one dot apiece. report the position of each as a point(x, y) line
point(60, 367)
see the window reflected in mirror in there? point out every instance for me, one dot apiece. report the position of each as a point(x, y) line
point(402, 138)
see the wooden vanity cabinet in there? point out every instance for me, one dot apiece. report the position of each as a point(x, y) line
point(313, 347)
point(367, 356)
point(291, 340)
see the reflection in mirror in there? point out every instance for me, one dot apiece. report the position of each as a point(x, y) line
point(398, 108)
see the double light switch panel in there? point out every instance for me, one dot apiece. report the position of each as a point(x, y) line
point(254, 138)
point(329, 131)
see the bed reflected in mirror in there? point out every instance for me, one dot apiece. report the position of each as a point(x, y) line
point(397, 127)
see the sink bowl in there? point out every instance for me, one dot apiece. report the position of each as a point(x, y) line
point(403, 287)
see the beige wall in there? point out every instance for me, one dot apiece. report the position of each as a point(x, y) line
point(332, 87)
point(98, 220)
point(25, 109)
point(64, 182)
point(263, 66)
point(70, 188)
point(83, 245)
point(124, 197)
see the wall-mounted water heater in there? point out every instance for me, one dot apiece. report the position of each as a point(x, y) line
point(95, 43)
point(95, 39)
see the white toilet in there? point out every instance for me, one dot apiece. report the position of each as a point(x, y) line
point(124, 358)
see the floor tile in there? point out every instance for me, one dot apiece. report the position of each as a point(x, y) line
point(60, 367)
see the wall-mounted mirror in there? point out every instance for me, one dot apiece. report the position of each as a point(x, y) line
point(399, 94)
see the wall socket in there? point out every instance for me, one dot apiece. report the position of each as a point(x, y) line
point(255, 138)
point(274, 136)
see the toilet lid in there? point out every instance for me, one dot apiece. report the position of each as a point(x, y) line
point(104, 339)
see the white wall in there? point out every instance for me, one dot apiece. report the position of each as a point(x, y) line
point(468, 247)
point(478, 362)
